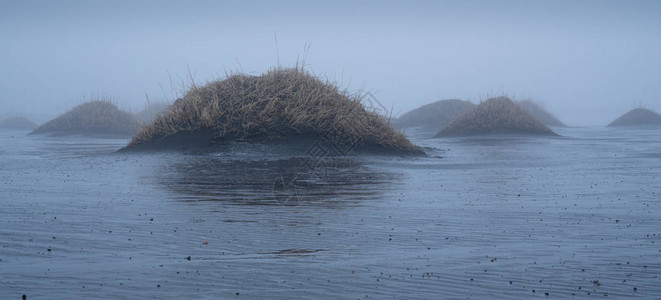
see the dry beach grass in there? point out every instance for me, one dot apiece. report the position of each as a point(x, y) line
point(281, 104)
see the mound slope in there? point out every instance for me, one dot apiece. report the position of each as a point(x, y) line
point(91, 118)
point(495, 116)
point(282, 104)
point(537, 111)
point(18, 123)
point(435, 115)
point(637, 117)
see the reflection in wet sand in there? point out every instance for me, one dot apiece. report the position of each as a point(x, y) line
point(288, 181)
point(573, 216)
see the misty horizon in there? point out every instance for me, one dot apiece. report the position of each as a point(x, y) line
point(330, 149)
point(587, 62)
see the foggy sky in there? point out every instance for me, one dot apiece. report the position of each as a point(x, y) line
point(587, 61)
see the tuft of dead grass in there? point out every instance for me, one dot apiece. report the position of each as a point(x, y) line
point(280, 104)
point(495, 116)
point(95, 117)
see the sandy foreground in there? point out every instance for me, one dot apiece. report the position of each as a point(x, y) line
point(576, 215)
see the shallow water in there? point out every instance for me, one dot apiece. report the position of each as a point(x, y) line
point(577, 215)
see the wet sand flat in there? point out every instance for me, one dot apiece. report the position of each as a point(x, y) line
point(575, 215)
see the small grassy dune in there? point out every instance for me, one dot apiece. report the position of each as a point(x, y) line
point(18, 123)
point(495, 116)
point(91, 118)
point(434, 116)
point(282, 104)
point(637, 117)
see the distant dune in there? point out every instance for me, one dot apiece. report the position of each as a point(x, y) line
point(637, 117)
point(19, 123)
point(537, 111)
point(150, 112)
point(91, 118)
point(433, 116)
point(283, 104)
point(495, 116)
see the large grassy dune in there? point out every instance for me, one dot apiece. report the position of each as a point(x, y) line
point(282, 104)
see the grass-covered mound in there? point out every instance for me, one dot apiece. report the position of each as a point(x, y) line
point(281, 105)
point(19, 123)
point(638, 117)
point(91, 118)
point(433, 116)
point(495, 116)
point(537, 111)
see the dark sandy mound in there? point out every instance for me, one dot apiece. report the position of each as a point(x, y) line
point(495, 116)
point(433, 116)
point(283, 105)
point(638, 117)
point(91, 118)
point(19, 123)
point(537, 111)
